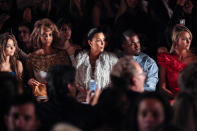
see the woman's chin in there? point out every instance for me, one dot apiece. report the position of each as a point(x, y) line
point(102, 50)
point(11, 54)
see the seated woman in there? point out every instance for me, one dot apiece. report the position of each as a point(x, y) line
point(172, 63)
point(66, 43)
point(94, 64)
point(43, 37)
point(8, 60)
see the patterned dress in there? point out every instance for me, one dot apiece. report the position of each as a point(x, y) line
point(38, 66)
point(41, 63)
point(173, 67)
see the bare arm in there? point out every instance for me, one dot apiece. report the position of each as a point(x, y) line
point(31, 81)
point(163, 81)
point(93, 100)
point(22, 54)
point(20, 67)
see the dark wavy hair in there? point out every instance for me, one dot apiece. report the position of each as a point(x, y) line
point(101, 29)
point(63, 21)
point(58, 77)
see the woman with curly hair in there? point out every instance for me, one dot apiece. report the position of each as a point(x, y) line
point(45, 34)
point(8, 59)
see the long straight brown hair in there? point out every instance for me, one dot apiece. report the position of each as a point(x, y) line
point(13, 59)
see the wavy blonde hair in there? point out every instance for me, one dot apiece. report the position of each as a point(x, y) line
point(43, 24)
point(13, 59)
point(176, 32)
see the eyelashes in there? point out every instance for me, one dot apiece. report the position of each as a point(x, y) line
point(45, 35)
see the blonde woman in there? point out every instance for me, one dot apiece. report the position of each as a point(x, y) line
point(178, 58)
point(8, 59)
point(43, 38)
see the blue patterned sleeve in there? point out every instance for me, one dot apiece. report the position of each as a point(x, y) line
point(151, 69)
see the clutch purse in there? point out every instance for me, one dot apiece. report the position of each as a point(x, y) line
point(40, 91)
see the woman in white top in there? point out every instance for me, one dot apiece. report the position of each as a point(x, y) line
point(95, 63)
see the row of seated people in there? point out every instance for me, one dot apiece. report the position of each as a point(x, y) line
point(51, 47)
point(123, 106)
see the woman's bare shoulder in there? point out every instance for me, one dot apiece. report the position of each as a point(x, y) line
point(38, 52)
